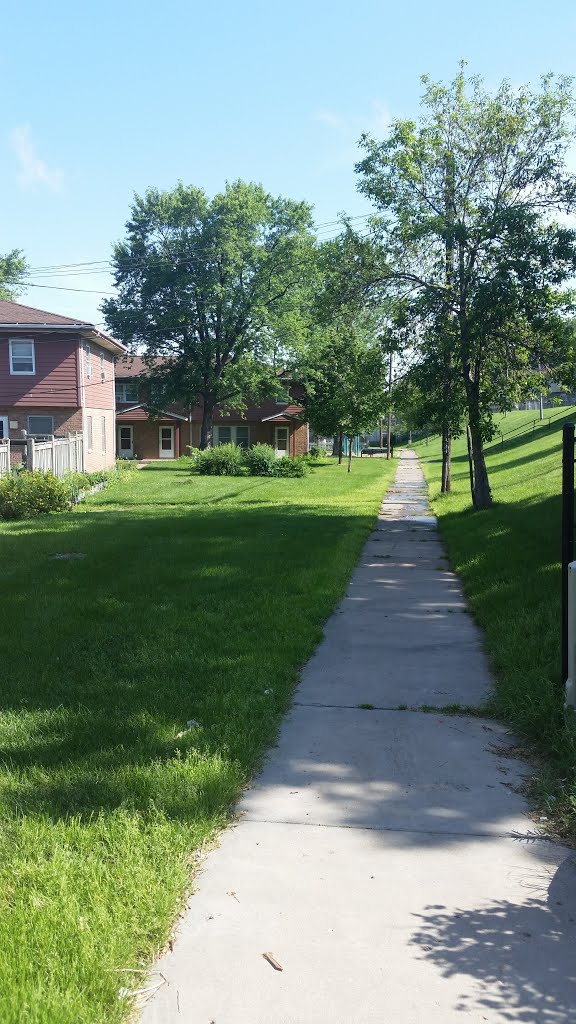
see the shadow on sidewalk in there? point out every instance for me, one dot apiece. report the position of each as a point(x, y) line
point(522, 956)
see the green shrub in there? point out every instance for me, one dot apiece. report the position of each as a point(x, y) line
point(124, 468)
point(99, 476)
point(315, 452)
point(224, 460)
point(194, 454)
point(261, 460)
point(32, 494)
point(289, 466)
point(75, 484)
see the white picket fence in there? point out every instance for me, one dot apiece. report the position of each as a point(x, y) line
point(59, 455)
point(4, 456)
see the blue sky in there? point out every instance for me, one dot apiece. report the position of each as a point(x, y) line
point(101, 101)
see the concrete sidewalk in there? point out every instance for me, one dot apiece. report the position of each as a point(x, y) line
point(384, 857)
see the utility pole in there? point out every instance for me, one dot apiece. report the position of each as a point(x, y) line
point(388, 443)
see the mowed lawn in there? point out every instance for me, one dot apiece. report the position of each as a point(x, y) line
point(198, 599)
point(509, 560)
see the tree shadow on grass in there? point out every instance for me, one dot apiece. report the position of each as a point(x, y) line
point(204, 615)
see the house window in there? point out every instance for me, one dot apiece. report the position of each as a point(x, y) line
point(89, 432)
point(22, 360)
point(223, 435)
point(126, 392)
point(40, 424)
point(102, 368)
point(87, 361)
point(103, 435)
point(242, 437)
point(232, 435)
point(283, 399)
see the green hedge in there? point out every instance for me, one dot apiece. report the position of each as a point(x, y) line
point(25, 495)
point(261, 460)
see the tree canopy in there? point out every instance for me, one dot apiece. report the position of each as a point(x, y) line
point(215, 287)
point(467, 198)
point(344, 373)
point(12, 270)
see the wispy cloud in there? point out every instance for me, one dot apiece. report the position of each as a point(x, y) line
point(329, 117)
point(32, 170)
point(375, 121)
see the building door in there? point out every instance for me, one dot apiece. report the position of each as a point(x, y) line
point(282, 441)
point(4, 427)
point(125, 442)
point(166, 442)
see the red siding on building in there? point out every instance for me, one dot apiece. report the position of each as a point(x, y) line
point(98, 393)
point(134, 416)
point(55, 382)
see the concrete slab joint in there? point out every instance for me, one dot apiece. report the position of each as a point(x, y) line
point(384, 857)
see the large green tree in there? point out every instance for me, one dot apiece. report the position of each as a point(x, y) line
point(215, 288)
point(344, 371)
point(12, 270)
point(467, 198)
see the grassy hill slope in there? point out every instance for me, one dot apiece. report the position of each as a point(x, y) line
point(509, 560)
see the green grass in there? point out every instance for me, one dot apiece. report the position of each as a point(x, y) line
point(509, 560)
point(198, 599)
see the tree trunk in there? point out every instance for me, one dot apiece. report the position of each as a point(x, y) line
point(336, 445)
point(470, 465)
point(350, 441)
point(446, 459)
point(340, 447)
point(482, 493)
point(207, 417)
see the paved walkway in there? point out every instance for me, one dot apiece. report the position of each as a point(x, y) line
point(384, 857)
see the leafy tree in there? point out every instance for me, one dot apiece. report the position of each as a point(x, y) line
point(13, 267)
point(344, 373)
point(214, 287)
point(466, 198)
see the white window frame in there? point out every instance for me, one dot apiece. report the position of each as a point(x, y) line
point(22, 341)
point(89, 433)
point(103, 424)
point(102, 368)
point(233, 433)
point(87, 362)
point(121, 391)
point(41, 433)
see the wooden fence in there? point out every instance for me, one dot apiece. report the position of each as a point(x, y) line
point(4, 456)
point(59, 455)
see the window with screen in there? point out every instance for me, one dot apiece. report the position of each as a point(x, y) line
point(40, 425)
point(22, 357)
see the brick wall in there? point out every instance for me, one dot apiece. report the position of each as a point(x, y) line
point(146, 437)
point(264, 433)
point(66, 421)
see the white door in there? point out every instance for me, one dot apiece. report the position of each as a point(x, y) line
point(282, 441)
point(166, 442)
point(4, 427)
point(125, 442)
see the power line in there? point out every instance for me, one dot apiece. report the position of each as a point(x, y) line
point(61, 288)
point(86, 266)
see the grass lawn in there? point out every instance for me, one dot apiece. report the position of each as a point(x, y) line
point(509, 561)
point(198, 598)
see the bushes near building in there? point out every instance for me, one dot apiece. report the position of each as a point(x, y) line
point(260, 460)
